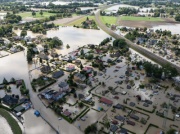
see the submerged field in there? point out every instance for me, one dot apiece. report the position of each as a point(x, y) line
point(133, 18)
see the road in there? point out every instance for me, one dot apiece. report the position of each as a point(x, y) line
point(60, 125)
point(137, 48)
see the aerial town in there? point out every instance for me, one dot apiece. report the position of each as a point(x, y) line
point(90, 67)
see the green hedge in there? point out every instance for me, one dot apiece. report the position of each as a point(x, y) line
point(150, 125)
point(164, 117)
point(146, 110)
point(84, 113)
point(11, 121)
point(6, 108)
point(92, 88)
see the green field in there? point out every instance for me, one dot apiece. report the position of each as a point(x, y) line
point(133, 18)
point(29, 14)
point(79, 21)
point(11, 121)
point(109, 19)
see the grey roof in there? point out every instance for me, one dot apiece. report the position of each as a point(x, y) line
point(8, 99)
point(113, 128)
point(19, 109)
point(145, 104)
point(58, 74)
point(118, 106)
point(132, 104)
point(62, 84)
point(120, 118)
point(148, 101)
point(135, 117)
point(123, 131)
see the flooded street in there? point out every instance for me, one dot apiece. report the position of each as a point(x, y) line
point(4, 127)
point(175, 29)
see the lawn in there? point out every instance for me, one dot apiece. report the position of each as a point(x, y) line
point(11, 121)
point(29, 14)
point(133, 18)
point(109, 19)
point(79, 21)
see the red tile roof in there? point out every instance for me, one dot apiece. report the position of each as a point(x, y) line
point(106, 101)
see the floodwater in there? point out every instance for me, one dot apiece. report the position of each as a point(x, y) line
point(77, 37)
point(14, 65)
point(56, 3)
point(4, 127)
point(174, 28)
point(116, 7)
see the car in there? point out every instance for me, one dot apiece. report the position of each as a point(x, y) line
point(83, 119)
point(177, 115)
point(122, 76)
point(59, 118)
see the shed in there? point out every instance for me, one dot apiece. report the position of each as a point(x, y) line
point(120, 118)
point(135, 117)
point(113, 128)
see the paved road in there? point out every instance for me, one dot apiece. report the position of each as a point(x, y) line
point(137, 48)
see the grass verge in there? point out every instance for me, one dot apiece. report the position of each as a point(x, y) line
point(11, 121)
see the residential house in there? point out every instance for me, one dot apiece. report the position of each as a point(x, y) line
point(58, 95)
point(67, 113)
point(130, 122)
point(19, 109)
point(43, 56)
point(45, 69)
point(77, 62)
point(135, 117)
point(152, 42)
point(123, 131)
point(64, 86)
point(19, 83)
point(13, 49)
point(120, 118)
point(113, 128)
point(118, 106)
point(70, 68)
point(106, 101)
point(2, 86)
point(80, 78)
point(140, 40)
point(88, 69)
point(58, 74)
point(49, 95)
point(10, 100)
point(54, 54)
point(80, 96)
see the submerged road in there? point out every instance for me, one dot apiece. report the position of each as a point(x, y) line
point(137, 48)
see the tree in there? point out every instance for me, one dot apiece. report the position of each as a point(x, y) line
point(5, 81)
point(33, 13)
point(67, 46)
point(119, 43)
point(41, 12)
point(81, 105)
point(177, 17)
point(91, 129)
point(171, 131)
point(23, 33)
point(81, 67)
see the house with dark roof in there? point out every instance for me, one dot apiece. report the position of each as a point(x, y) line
point(58, 74)
point(81, 96)
point(43, 56)
point(132, 104)
point(63, 86)
point(118, 106)
point(120, 118)
point(135, 117)
point(67, 113)
point(58, 95)
point(9, 100)
point(130, 122)
point(106, 101)
point(80, 78)
point(45, 69)
point(123, 131)
point(113, 128)
point(145, 104)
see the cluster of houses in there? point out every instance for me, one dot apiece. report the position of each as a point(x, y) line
point(53, 95)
